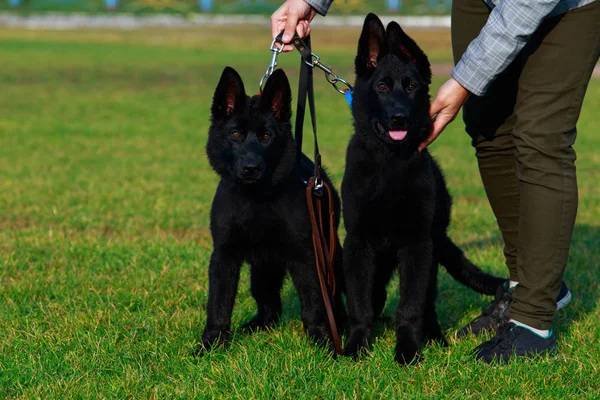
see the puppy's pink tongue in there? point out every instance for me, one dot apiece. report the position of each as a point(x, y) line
point(397, 135)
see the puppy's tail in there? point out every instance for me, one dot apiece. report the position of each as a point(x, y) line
point(463, 270)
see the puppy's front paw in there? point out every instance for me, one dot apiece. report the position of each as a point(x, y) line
point(357, 342)
point(259, 322)
point(436, 336)
point(319, 334)
point(211, 340)
point(342, 321)
point(407, 352)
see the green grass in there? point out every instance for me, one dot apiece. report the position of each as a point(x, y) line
point(104, 233)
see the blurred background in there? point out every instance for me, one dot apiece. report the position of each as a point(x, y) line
point(220, 6)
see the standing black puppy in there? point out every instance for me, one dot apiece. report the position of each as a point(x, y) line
point(259, 212)
point(396, 205)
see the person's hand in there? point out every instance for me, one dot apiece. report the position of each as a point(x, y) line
point(293, 16)
point(447, 103)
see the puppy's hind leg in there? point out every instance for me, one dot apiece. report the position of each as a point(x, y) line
point(265, 284)
point(341, 317)
point(313, 313)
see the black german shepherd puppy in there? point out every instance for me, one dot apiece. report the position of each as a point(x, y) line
point(259, 213)
point(396, 205)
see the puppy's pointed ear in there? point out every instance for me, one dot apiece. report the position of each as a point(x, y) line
point(372, 45)
point(406, 49)
point(229, 95)
point(276, 97)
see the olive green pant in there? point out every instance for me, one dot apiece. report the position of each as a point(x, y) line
point(523, 130)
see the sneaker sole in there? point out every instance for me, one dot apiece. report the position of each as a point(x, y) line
point(564, 301)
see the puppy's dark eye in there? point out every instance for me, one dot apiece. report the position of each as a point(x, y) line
point(265, 137)
point(382, 86)
point(411, 87)
point(235, 135)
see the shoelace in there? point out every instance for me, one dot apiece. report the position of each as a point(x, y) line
point(505, 336)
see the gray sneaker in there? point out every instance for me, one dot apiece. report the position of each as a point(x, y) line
point(514, 341)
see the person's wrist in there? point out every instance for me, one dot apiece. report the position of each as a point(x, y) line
point(460, 89)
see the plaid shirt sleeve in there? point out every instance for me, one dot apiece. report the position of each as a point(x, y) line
point(321, 6)
point(506, 32)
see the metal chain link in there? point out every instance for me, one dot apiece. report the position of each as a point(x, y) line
point(331, 76)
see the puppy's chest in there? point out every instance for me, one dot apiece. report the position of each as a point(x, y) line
point(395, 205)
point(270, 225)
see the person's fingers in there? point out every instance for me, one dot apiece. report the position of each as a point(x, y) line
point(438, 126)
point(291, 17)
point(427, 141)
point(435, 107)
point(444, 108)
point(290, 27)
point(307, 29)
point(278, 27)
point(278, 20)
point(442, 118)
point(301, 29)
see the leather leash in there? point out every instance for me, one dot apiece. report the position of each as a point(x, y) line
point(319, 195)
point(324, 253)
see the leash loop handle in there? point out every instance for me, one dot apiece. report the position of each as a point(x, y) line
point(324, 251)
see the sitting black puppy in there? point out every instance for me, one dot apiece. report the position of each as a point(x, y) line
point(259, 213)
point(396, 205)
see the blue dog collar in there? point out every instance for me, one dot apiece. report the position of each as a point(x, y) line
point(348, 96)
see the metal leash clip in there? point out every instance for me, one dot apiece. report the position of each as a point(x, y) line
point(318, 187)
point(318, 182)
point(331, 76)
point(275, 50)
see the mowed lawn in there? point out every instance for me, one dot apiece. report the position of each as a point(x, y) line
point(105, 194)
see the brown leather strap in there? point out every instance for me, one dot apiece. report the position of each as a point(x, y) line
point(324, 253)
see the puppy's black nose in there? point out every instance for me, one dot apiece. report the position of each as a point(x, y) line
point(399, 121)
point(250, 167)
